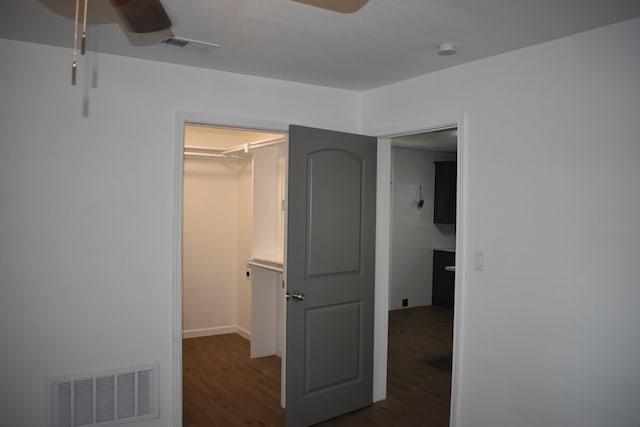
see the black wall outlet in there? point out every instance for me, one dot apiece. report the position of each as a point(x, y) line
point(405, 302)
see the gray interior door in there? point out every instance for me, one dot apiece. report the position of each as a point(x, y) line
point(330, 274)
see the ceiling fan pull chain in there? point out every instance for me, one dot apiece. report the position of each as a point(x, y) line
point(75, 45)
point(73, 73)
point(84, 28)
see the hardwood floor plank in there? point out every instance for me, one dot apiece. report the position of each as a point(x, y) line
point(419, 372)
point(222, 386)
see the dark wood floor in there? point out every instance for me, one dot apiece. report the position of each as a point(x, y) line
point(223, 387)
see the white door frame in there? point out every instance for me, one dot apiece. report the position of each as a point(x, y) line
point(383, 233)
point(383, 248)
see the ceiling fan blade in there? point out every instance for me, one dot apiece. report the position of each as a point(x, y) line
point(142, 16)
point(342, 6)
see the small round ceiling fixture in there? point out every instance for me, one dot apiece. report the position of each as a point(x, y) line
point(446, 49)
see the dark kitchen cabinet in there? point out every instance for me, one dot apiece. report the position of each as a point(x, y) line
point(443, 283)
point(444, 204)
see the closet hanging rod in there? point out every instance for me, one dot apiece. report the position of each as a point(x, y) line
point(268, 143)
point(211, 155)
point(265, 266)
point(252, 146)
point(193, 147)
point(203, 149)
point(256, 144)
point(272, 141)
point(243, 147)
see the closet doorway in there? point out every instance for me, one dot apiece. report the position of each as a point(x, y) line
point(232, 266)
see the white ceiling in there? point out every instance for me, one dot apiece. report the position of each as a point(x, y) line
point(384, 42)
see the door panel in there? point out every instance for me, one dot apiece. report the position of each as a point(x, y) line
point(330, 259)
point(334, 216)
point(331, 360)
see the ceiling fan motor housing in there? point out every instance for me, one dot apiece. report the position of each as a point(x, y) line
point(142, 16)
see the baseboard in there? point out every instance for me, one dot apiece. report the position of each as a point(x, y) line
point(218, 330)
point(243, 332)
point(203, 332)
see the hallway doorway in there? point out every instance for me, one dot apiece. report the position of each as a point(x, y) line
point(422, 268)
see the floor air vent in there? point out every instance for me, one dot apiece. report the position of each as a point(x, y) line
point(104, 398)
point(188, 44)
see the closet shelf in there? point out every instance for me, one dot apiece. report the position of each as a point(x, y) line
point(213, 155)
point(238, 152)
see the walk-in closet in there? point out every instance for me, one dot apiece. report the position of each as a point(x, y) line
point(233, 234)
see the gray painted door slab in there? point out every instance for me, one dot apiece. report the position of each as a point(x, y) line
point(330, 259)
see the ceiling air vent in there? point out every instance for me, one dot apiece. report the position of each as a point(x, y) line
point(188, 44)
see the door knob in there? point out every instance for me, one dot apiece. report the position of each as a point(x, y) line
point(296, 296)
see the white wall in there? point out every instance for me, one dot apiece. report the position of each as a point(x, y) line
point(87, 208)
point(549, 328)
point(232, 212)
point(413, 233)
point(212, 251)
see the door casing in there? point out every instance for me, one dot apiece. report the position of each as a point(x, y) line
point(383, 233)
point(383, 247)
